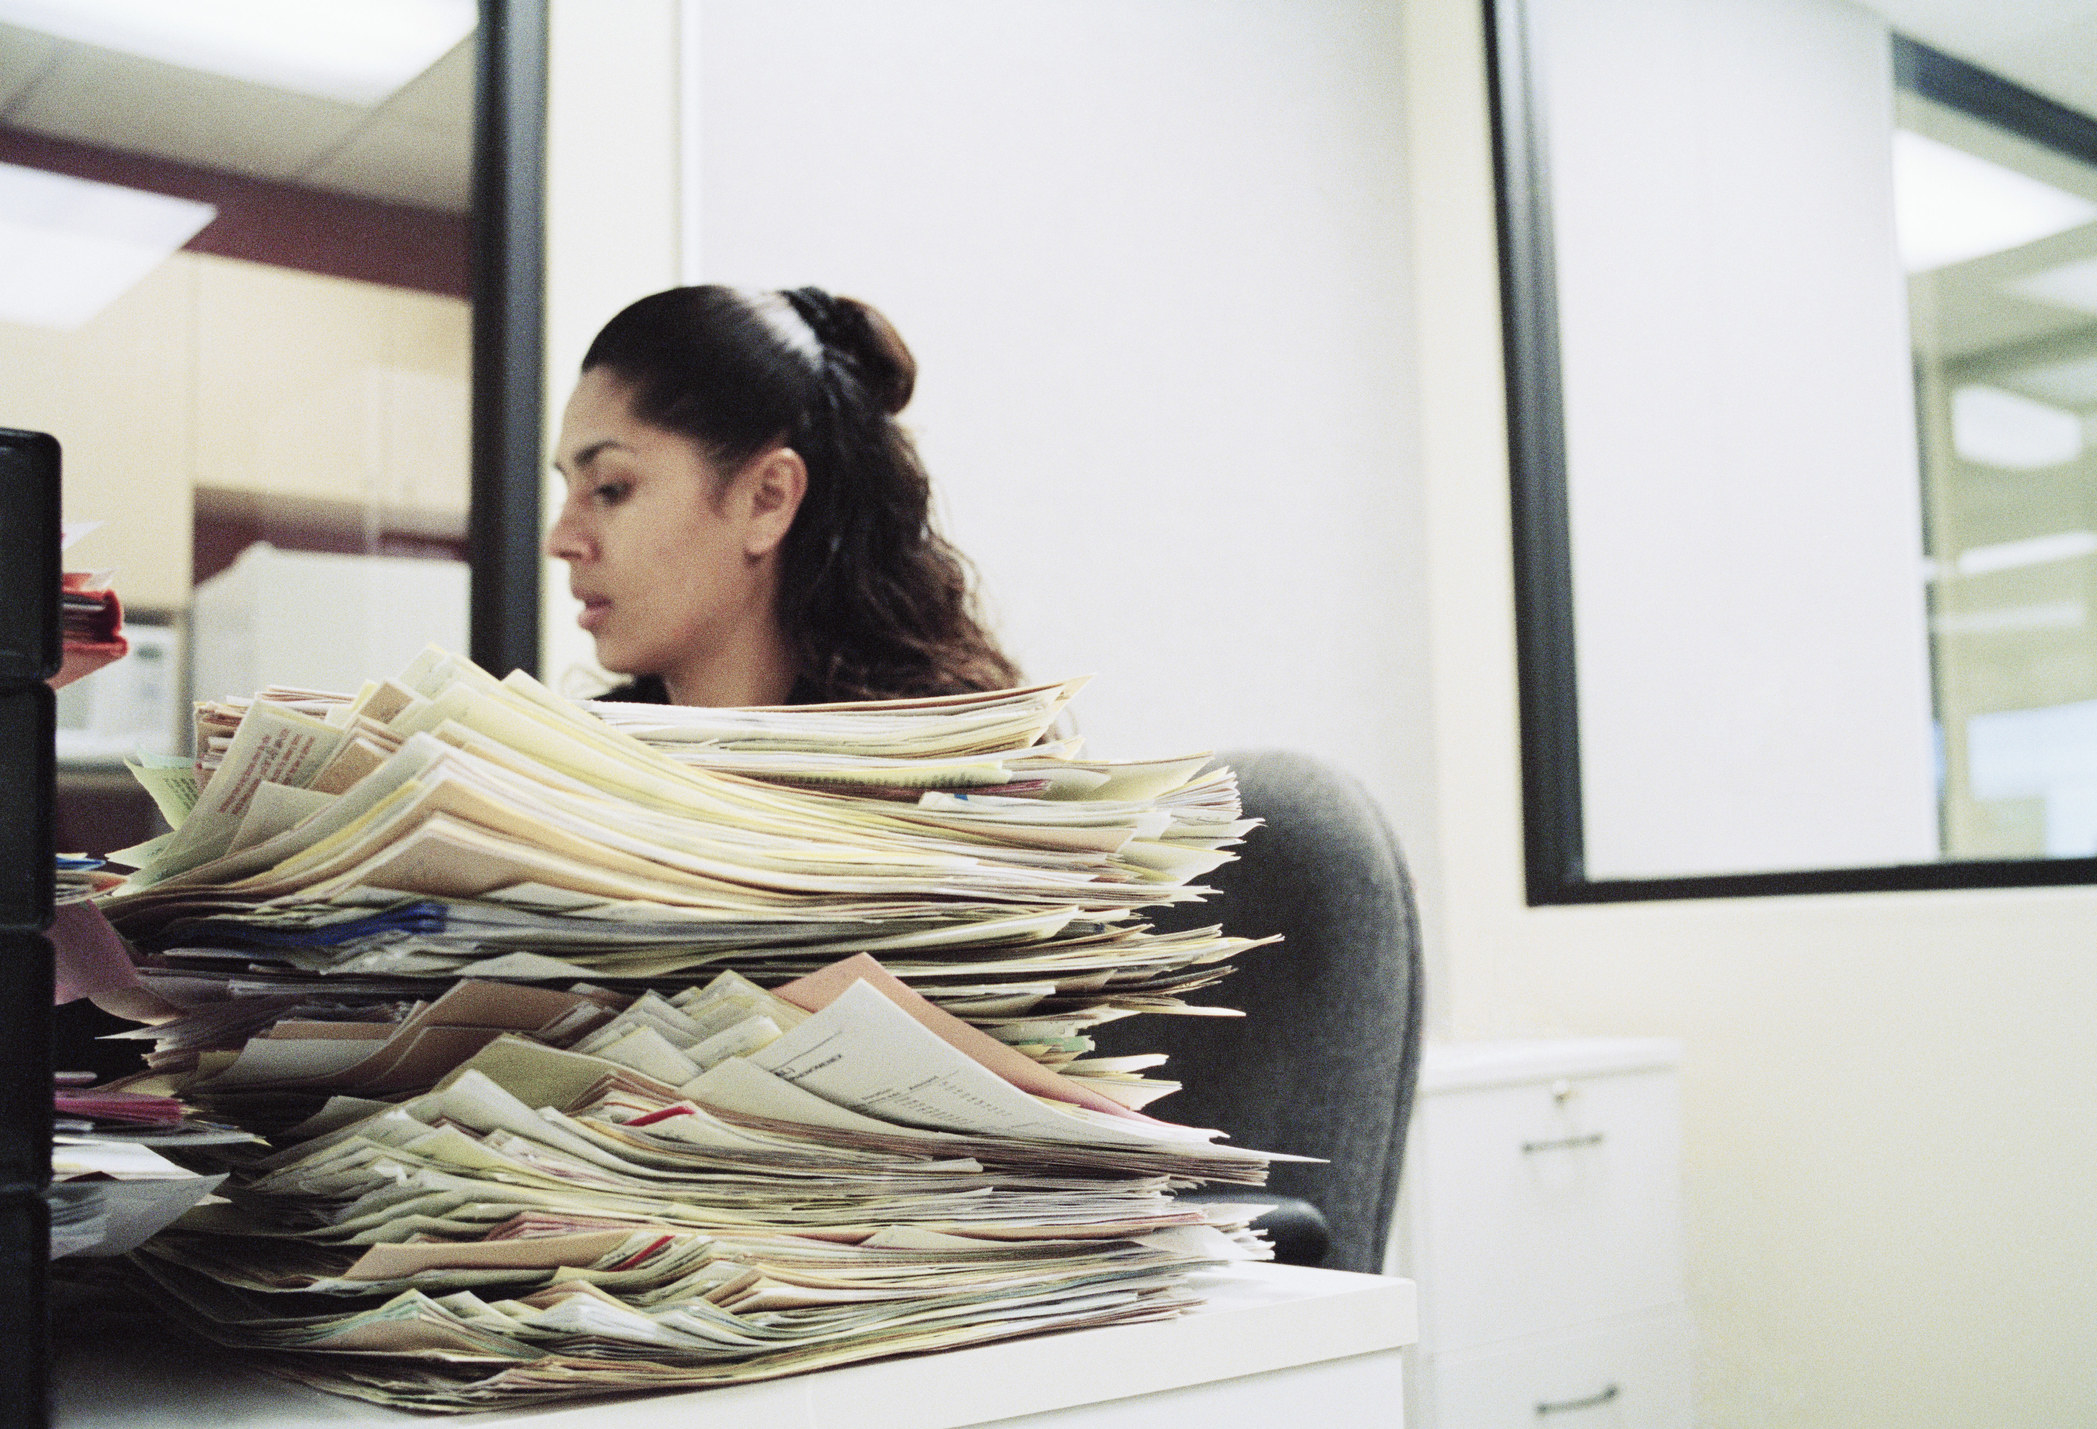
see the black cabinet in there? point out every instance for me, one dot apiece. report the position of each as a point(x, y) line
point(31, 649)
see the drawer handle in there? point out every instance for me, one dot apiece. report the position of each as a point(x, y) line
point(1593, 1138)
point(1588, 1403)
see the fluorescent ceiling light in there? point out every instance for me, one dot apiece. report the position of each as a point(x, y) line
point(2071, 285)
point(2033, 551)
point(2001, 429)
point(69, 248)
point(1950, 206)
point(357, 51)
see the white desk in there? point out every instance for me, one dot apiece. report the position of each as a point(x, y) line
point(1276, 1343)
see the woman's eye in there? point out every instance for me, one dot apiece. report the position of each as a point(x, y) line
point(611, 493)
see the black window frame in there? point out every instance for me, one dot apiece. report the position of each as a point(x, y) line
point(508, 272)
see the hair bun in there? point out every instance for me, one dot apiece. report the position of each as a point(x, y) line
point(858, 332)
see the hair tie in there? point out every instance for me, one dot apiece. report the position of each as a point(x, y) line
point(822, 313)
point(838, 389)
point(789, 324)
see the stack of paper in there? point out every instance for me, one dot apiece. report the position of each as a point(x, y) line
point(644, 1047)
point(77, 877)
point(446, 824)
point(552, 1223)
point(76, 1099)
point(110, 1187)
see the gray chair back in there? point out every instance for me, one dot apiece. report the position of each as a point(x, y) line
point(1324, 1061)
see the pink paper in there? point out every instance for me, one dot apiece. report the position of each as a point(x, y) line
point(91, 957)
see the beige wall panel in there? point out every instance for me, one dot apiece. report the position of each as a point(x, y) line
point(115, 393)
point(428, 461)
point(292, 381)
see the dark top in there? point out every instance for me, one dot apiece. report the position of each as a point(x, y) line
point(647, 690)
point(650, 690)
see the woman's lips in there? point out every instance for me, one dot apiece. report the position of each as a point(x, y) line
point(594, 613)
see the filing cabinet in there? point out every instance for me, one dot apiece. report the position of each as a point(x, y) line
point(1542, 1217)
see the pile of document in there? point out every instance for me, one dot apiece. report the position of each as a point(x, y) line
point(77, 877)
point(111, 1186)
point(625, 1047)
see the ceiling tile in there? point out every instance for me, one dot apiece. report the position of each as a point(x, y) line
point(23, 56)
point(441, 95)
point(123, 102)
point(419, 164)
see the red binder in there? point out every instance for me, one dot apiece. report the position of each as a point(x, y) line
point(94, 628)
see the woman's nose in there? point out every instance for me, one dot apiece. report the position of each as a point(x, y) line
point(567, 541)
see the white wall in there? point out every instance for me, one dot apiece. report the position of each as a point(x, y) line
point(1149, 257)
point(1888, 1097)
point(1740, 429)
point(613, 196)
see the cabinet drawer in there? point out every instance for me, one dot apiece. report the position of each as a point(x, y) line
point(1631, 1374)
point(1543, 1205)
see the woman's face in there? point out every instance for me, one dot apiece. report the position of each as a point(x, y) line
point(673, 560)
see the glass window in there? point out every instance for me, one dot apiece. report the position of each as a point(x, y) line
point(234, 284)
point(1998, 232)
point(1802, 365)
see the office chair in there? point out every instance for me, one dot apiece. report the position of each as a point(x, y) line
point(1325, 1059)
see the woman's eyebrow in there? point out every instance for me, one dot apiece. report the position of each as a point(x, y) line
point(589, 454)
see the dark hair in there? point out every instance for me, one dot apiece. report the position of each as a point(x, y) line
point(876, 602)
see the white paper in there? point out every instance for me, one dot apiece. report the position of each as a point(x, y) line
point(866, 1053)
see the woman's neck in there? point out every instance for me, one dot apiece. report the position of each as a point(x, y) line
point(754, 667)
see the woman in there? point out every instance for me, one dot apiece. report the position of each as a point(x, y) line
point(746, 522)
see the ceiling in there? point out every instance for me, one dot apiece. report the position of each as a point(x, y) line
point(415, 147)
point(2045, 45)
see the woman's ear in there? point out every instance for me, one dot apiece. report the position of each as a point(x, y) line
point(773, 485)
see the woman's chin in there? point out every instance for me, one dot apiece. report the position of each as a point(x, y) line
point(618, 657)
point(614, 658)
